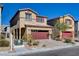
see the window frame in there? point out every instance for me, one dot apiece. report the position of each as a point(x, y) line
point(40, 19)
point(28, 18)
point(68, 22)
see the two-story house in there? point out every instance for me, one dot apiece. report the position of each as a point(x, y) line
point(5, 30)
point(26, 21)
point(67, 19)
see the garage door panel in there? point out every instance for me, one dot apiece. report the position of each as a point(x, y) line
point(40, 35)
point(67, 34)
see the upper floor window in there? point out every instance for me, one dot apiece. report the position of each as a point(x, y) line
point(28, 17)
point(68, 21)
point(40, 19)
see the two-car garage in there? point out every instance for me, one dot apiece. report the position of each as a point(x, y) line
point(40, 34)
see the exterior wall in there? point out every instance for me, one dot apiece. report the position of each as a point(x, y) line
point(63, 19)
point(23, 21)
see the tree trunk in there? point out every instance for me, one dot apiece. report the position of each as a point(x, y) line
point(60, 35)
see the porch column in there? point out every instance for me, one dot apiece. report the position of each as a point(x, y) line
point(73, 35)
point(50, 32)
point(19, 33)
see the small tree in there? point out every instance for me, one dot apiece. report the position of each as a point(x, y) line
point(61, 27)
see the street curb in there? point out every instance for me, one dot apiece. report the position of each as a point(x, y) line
point(49, 49)
point(35, 50)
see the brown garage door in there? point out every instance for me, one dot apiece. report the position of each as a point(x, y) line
point(40, 35)
point(67, 34)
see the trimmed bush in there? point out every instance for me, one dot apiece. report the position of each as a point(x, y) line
point(4, 43)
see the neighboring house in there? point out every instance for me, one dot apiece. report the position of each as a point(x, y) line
point(67, 19)
point(5, 31)
point(77, 28)
point(27, 21)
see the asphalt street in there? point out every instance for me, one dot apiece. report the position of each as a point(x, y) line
point(74, 51)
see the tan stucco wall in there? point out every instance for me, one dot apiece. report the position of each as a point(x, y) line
point(36, 28)
point(33, 22)
point(63, 19)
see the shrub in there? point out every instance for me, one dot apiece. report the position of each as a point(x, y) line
point(35, 43)
point(29, 39)
point(68, 40)
point(4, 43)
point(2, 36)
point(24, 37)
point(55, 33)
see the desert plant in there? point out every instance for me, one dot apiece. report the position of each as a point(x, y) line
point(2, 36)
point(55, 33)
point(30, 40)
point(67, 40)
point(61, 27)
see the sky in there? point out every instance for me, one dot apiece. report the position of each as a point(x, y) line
point(51, 10)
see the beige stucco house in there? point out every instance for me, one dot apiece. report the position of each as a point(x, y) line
point(67, 19)
point(26, 21)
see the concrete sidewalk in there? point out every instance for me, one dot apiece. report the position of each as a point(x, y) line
point(24, 50)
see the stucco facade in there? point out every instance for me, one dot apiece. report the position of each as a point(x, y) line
point(64, 19)
point(26, 26)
